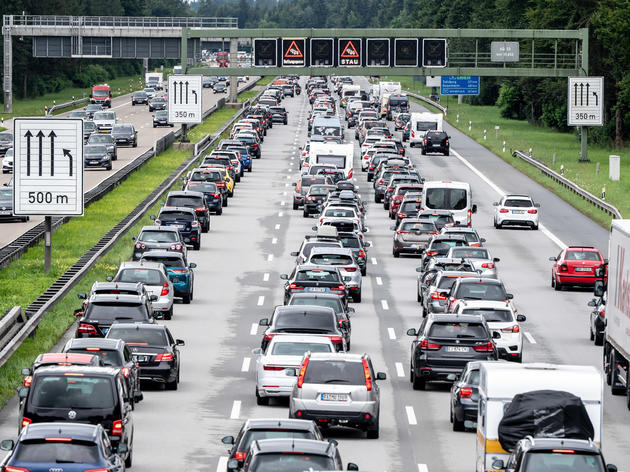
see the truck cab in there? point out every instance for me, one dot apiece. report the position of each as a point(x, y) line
point(102, 95)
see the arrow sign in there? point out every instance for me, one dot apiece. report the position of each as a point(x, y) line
point(575, 86)
point(181, 90)
point(185, 99)
point(186, 92)
point(587, 87)
point(585, 101)
point(28, 136)
point(581, 94)
point(41, 135)
point(175, 92)
point(195, 94)
point(66, 153)
point(52, 137)
point(596, 98)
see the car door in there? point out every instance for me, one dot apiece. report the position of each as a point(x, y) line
point(110, 455)
point(173, 344)
point(133, 369)
point(125, 398)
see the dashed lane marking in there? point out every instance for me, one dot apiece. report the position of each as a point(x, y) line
point(385, 305)
point(245, 366)
point(236, 410)
point(400, 371)
point(392, 333)
point(529, 337)
point(261, 300)
point(266, 277)
point(411, 415)
point(379, 281)
point(253, 331)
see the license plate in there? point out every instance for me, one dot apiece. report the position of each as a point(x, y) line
point(5, 212)
point(93, 162)
point(457, 349)
point(518, 212)
point(180, 226)
point(142, 358)
point(334, 397)
point(583, 269)
point(316, 289)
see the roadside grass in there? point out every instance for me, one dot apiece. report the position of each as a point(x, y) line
point(247, 95)
point(73, 239)
point(544, 142)
point(266, 80)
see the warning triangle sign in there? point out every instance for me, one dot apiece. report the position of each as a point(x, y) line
point(349, 51)
point(293, 51)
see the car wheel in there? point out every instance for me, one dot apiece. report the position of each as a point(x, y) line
point(261, 400)
point(395, 253)
point(295, 206)
point(457, 425)
point(172, 125)
point(109, 167)
point(25, 219)
point(133, 104)
point(591, 335)
point(305, 214)
point(129, 459)
point(616, 387)
point(418, 297)
point(386, 205)
point(169, 314)
point(377, 199)
point(220, 211)
point(356, 298)
point(423, 152)
point(557, 285)
point(231, 194)
point(364, 271)
point(174, 384)
point(599, 339)
point(135, 144)
point(197, 246)
point(373, 430)
point(535, 227)
point(154, 125)
point(447, 153)
point(186, 299)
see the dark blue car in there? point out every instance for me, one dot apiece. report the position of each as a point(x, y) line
point(244, 157)
point(212, 194)
point(180, 272)
point(185, 220)
point(71, 447)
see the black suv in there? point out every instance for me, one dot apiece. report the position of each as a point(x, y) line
point(95, 395)
point(315, 197)
point(445, 343)
point(102, 311)
point(185, 220)
point(465, 397)
point(194, 200)
point(278, 114)
point(436, 141)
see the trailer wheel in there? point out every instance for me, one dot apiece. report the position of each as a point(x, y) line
point(615, 386)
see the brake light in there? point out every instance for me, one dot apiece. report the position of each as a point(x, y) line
point(447, 142)
point(200, 208)
point(503, 210)
point(350, 174)
point(10, 468)
point(487, 347)
point(276, 367)
point(532, 212)
point(26, 422)
point(402, 232)
point(180, 271)
point(563, 451)
point(487, 265)
point(402, 215)
point(465, 392)
point(295, 287)
point(165, 290)
point(368, 376)
point(216, 195)
point(425, 345)
point(86, 329)
point(117, 427)
point(164, 357)
point(361, 253)
point(300, 380)
point(240, 456)
point(125, 371)
point(58, 439)
point(350, 269)
point(339, 287)
point(431, 253)
point(438, 296)
point(564, 268)
point(220, 184)
point(511, 329)
point(140, 246)
point(311, 198)
point(28, 380)
point(176, 247)
point(413, 135)
point(380, 182)
point(336, 339)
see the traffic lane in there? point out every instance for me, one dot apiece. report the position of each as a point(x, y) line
point(141, 118)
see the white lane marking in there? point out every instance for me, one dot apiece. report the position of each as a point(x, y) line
point(400, 371)
point(284, 194)
point(274, 241)
point(236, 410)
point(254, 329)
point(379, 281)
point(288, 176)
point(423, 468)
point(277, 227)
point(370, 243)
point(266, 277)
point(411, 415)
point(222, 464)
point(392, 333)
point(270, 258)
point(529, 337)
point(245, 366)
point(280, 214)
point(283, 203)
point(374, 261)
point(385, 305)
point(554, 239)
point(261, 300)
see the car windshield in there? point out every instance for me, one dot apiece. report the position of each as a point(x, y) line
point(276, 433)
point(185, 201)
point(317, 275)
point(304, 319)
point(70, 391)
point(100, 138)
point(468, 253)
point(140, 94)
point(298, 348)
point(158, 100)
point(100, 93)
point(138, 336)
point(491, 314)
point(96, 149)
point(158, 237)
point(88, 125)
point(6, 194)
point(55, 452)
point(167, 261)
point(175, 215)
point(576, 461)
point(281, 462)
point(122, 129)
point(518, 203)
point(145, 276)
point(161, 114)
point(447, 198)
point(481, 291)
point(6, 137)
point(108, 311)
point(457, 330)
point(334, 372)
point(582, 256)
point(333, 303)
point(108, 358)
point(331, 259)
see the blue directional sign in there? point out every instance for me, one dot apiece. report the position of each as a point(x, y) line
point(459, 85)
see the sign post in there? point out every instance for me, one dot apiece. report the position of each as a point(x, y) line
point(184, 100)
point(48, 171)
point(585, 107)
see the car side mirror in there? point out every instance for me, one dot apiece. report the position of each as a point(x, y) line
point(294, 184)
point(122, 448)
point(22, 392)
point(381, 376)
point(154, 298)
point(180, 342)
point(496, 335)
point(264, 322)
point(552, 259)
point(284, 276)
point(592, 303)
point(81, 296)
point(152, 217)
point(227, 439)
point(290, 372)
point(496, 204)
point(392, 227)
point(521, 318)
point(474, 208)
point(232, 464)
point(452, 377)
point(26, 371)
point(412, 332)
point(611, 467)
point(498, 464)
point(7, 444)
point(351, 310)
point(345, 325)
point(109, 278)
point(598, 288)
point(536, 205)
point(367, 244)
point(482, 240)
point(257, 352)
point(419, 269)
point(333, 441)
point(192, 265)
point(352, 466)
point(138, 396)
point(496, 259)
point(509, 296)
point(294, 254)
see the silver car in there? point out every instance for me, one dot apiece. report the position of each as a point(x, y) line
point(155, 278)
point(106, 140)
point(343, 259)
point(104, 121)
point(337, 389)
point(283, 352)
point(480, 258)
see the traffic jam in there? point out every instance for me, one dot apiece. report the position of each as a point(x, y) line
point(314, 393)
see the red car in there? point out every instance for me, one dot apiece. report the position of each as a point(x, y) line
point(576, 265)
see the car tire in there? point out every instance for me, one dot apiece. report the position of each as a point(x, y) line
point(591, 335)
point(220, 211)
point(395, 253)
point(154, 125)
point(172, 125)
point(169, 314)
point(418, 297)
point(457, 425)
point(197, 246)
point(356, 298)
point(135, 144)
point(447, 153)
point(129, 459)
point(557, 285)
point(386, 205)
point(364, 271)
point(535, 227)
point(599, 339)
point(25, 219)
point(186, 299)
point(423, 152)
point(174, 384)
point(616, 388)
point(109, 167)
point(231, 194)
point(261, 400)
point(373, 430)
point(295, 206)
point(417, 383)
point(377, 199)
point(305, 214)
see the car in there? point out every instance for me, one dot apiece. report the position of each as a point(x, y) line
point(436, 141)
point(503, 323)
point(213, 198)
point(597, 322)
point(97, 155)
point(104, 121)
point(412, 235)
point(185, 220)
point(311, 242)
point(41, 446)
point(427, 274)
point(207, 82)
point(267, 428)
point(222, 159)
point(576, 266)
point(82, 394)
point(57, 358)
point(282, 352)
point(210, 175)
point(106, 140)
point(140, 98)
point(80, 114)
point(398, 195)
point(252, 143)
point(125, 134)
point(91, 109)
point(406, 131)
point(243, 155)
point(150, 91)
point(6, 206)
point(343, 260)
point(101, 311)
point(338, 389)
point(464, 404)
point(194, 200)
point(444, 344)
point(117, 288)
point(180, 271)
point(440, 246)
point(303, 319)
point(441, 218)
point(88, 129)
point(401, 120)
point(433, 300)
point(160, 118)
point(154, 349)
point(158, 103)
point(154, 277)
point(480, 258)
point(220, 87)
point(471, 235)
point(358, 246)
point(314, 278)
point(516, 210)
point(227, 180)
point(157, 237)
point(110, 353)
point(477, 288)
point(315, 197)
point(6, 142)
point(278, 115)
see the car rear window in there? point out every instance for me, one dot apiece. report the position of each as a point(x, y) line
point(308, 247)
point(518, 203)
point(138, 336)
point(319, 190)
point(332, 259)
point(167, 261)
point(470, 237)
point(334, 372)
point(447, 198)
point(309, 320)
point(175, 215)
point(205, 187)
point(481, 291)
point(207, 176)
point(410, 206)
point(188, 202)
point(280, 461)
point(582, 256)
point(419, 227)
point(108, 358)
point(317, 275)
point(298, 348)
point(491, 315)
point(339, 213)
point(56, 452)
point(276, 433)
point(145, 276)
point(457, 330)
point(158, 237)
point(333, 303)
point(350, 242)
point(470, 253)
point(107, 311)
point(81, 391)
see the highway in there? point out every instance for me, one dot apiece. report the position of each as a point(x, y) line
point(140, 117)
point(237, 283)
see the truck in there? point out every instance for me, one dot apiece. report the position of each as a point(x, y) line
point(101, 95)
point(421, 123)
point(387, 89)
point(500, 382)
point(617, 334)
point(177, 70)
point(349, 90)
point(154, 80)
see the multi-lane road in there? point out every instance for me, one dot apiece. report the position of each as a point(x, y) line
point(140, 117)
point(237, 283)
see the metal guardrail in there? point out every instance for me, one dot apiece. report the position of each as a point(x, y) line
point(119, 21)
point(589, 197)
point(427, 100)
point(10, 324)
point(69, 104)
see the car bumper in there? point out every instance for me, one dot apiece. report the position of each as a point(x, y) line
point(298, 199)
point(430, 371)
point(97, 163)
point(162, 304)
point(466, 411)
point(181, 288)
point(510, 347)
point(192, 237)
point(409, 247)
point(275, 387)
point(356, 416)
point(160, 123)
point(582, 280)
point(123, 141)
point(164, 372)
point(517, 220)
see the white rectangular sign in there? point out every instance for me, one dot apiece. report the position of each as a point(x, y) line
point(48, 166)
point(184, 99)
point(434, 80)
point(585, 105)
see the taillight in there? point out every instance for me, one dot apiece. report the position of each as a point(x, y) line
point(86, 329)
point(164, 357)
point(425, 345)
point(350, 174)
point(200, 208)
point(140, 246)
point(504, 210)
point(125, 371)
point(511, 329)
point(220, 184)
point(402, 232)
point(269, 337)
point(361, 253)
point(402, 215)
point(240, 456)
point(431, 253)
point(390, 189)
point(176, 247)
point(532, 212)
point(413, 135)
point(117, 427)
point(165, 290)
point(368, 376)
point(336, 339)
point(380, 182)
point(338, 287)
point(438, 296)
point(487, 347)
point(447, 142)
point(216, 195)
point(26, 422)
point(487, 265)
point(11, 468)
point(564, 268)
point(28, 380)
point(276, 367)
point(300, 380)
point(295, 287)
point(465, 392)
point(350, 269)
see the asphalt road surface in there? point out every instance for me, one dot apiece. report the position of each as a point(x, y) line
point(237, 283)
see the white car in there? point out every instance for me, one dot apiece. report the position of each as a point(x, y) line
point(503, 323)
point(104, 121)
point(7, 162)
point(283, 352)
point(517, 210)
point(150, 91)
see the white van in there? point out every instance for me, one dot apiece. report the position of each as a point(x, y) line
point(421, 123)
point(450, 195)
point(177, 70)
point(499, 382)
point(339, 155)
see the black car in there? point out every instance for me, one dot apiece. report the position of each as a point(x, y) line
point(96, 155)
point(167, 238)
point(465, 397)
point(94, 395)
point(436, 141)
point(212, 195)
point(220, 87)
point(208, 175)
point(185, 220)
point(88, 128)
point(111, 353)
point(158, 103)
point(314, 278)
point(278, 115)
point(440, 245)
point(252, 143)
point(57, 358)
point(255, 429)
point(140, 98)
point(6, 142)
point(160, 118)
point(102, 311)
point(154, 349)
point(224, 159)
point(106, 140)
point(314, 198)
point(6, 206)
point(445, 343)
point(125, 134)
point(194, 200)
point(304, 319)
